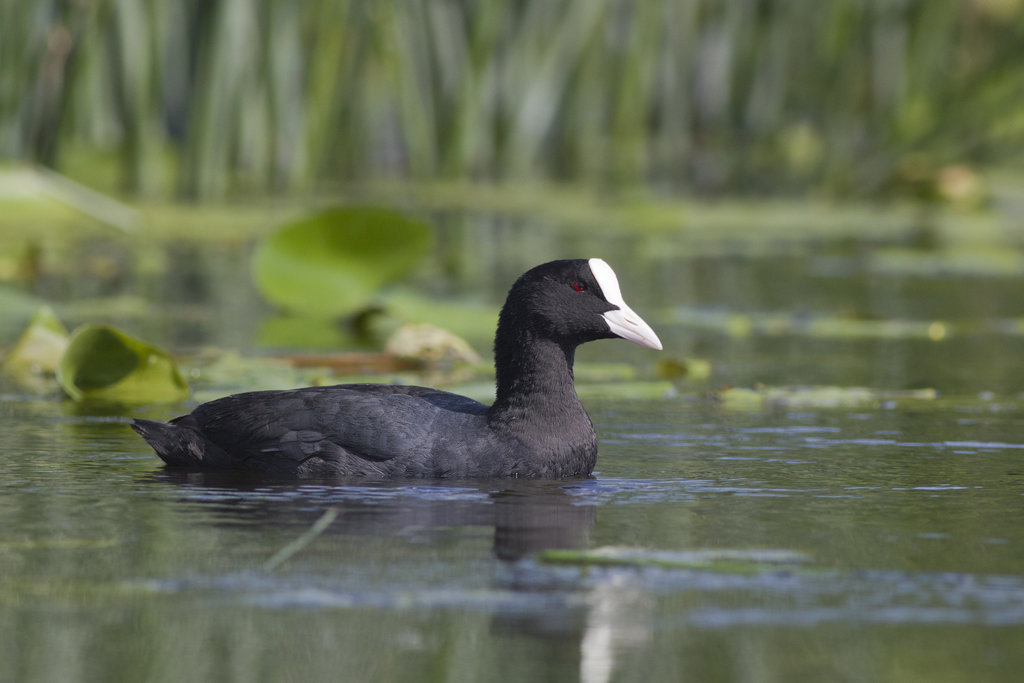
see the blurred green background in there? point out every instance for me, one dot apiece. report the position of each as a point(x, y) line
point(818, 204)
point(201, 99)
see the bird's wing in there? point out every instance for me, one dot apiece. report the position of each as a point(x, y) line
point(373, 422)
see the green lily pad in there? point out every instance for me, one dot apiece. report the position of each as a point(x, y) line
point(761, 397)
point(472, 320)
point(783, 323)
point(430, 344)
point(672, 368)
point(39, 348)
point(103, 363)
point(334, 263)
point(722, 561)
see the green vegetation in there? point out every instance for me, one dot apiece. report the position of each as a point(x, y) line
point(452, 111)
point(721, 561)
point(40, 346)
point(781, 494)
point(333, 263)
point(103, 363)
point(762, 398)
point(204, 99)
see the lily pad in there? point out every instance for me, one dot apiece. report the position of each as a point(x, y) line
point(783, 323)
point(723, 561)
point(39, 348)
point(694, 369)
point(472, 320)
point(104, 363)
point(431, 344)
point(228, 371)
point(333, 263)
point(762, 397)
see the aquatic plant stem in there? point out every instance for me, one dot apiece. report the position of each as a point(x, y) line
point(286, 553)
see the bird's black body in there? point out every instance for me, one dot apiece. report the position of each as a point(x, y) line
point(536, 427)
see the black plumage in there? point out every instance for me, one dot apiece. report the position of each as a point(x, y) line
point(536, 427)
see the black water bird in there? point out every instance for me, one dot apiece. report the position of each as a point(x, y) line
point(536, 427)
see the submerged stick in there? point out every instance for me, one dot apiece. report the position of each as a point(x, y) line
point(285, 553)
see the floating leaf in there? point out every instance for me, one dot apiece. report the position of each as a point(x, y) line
point(103, 363)
point(471, 320)
point(228, 370)
point(695, 369)
point(722, 561)
point(39, 348)
point(742, 325)
point(431, 344)
point(333, 263)
point(762, 397)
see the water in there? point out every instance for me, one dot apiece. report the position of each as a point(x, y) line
point(874, 542)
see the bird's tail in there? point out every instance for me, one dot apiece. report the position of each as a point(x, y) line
point(176, 445)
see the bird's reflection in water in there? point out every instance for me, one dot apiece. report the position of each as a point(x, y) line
point(568, 623)
point(526, 516)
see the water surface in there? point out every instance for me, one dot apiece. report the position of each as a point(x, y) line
point(873, 542)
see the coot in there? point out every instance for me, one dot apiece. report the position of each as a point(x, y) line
point(536, 427)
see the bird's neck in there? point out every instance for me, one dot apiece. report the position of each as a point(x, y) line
point(534, 376)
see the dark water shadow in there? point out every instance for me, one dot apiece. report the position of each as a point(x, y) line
point(526, 516)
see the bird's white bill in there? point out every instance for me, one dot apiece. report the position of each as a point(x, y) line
point(623, 322)
point(628, 325)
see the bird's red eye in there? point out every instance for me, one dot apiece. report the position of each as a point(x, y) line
point(579, 286)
